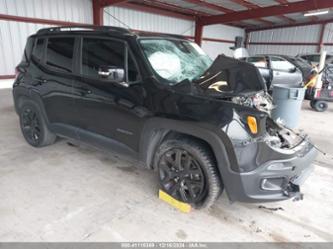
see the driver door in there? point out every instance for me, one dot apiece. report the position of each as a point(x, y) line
point(105, 106)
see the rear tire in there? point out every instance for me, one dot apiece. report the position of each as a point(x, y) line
point(319, 105)
point(33, 125)
point(187, 171)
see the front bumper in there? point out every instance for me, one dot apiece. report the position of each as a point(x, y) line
point(277, 178)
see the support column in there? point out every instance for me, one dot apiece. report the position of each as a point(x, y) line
point(97, 13)
point(198, 31)
point(246, 40)
point(321, 37)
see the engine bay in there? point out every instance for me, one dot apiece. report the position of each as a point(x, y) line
point(277, 135)
point(261, 101)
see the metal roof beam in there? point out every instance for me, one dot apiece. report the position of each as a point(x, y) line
point(173, 7)
point(219, 8)
point(157, 10)
point(210, 5)
point(291, 25)
point(97, 12)
point(250, 5)
point(275, 10)
point(105, 3)
point(286, 2)
point(39, 20)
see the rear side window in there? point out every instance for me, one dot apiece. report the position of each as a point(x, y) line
point(99, 53)
point(59, 54)
point(38, 49)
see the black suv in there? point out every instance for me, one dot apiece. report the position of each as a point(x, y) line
point(203, 125)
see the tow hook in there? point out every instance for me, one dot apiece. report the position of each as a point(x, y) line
point(293, 191)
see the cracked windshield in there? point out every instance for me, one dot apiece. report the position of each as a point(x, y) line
point(176, 60)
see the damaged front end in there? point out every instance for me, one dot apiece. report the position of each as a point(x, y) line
point(270, 165)
point(261, 101)
point(272, 161)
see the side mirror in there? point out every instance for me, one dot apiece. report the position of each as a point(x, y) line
point(112, 73)
point(292, 70)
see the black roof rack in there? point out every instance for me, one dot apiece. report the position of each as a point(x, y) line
point(161, 34)
point(84, 28)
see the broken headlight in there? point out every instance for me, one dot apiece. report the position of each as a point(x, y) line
point(260, 101)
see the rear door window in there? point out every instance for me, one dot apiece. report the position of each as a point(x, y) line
point(59, 54)
point(98, 53)
point(102, 53)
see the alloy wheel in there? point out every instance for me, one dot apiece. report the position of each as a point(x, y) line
point(31, 126)
point(181, 176)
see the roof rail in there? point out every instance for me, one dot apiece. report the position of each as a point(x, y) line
point(160, 34)
point(84, 28)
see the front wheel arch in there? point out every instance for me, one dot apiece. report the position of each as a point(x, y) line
point(158, 129)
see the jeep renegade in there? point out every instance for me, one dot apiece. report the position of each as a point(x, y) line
point(203, 125)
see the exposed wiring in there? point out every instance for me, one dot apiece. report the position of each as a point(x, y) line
point(115, 18)
point(188, 29)
point(127, 26)
point(315, 146)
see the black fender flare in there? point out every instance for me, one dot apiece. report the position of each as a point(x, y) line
point(155, 130)
point(20, 93)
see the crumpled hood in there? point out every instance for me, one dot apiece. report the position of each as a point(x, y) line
point(230, 77)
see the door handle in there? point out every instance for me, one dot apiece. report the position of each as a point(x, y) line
point(86, 92)
point(40, 81)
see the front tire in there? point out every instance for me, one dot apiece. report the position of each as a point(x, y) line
point(33, 126)
point(187, 171)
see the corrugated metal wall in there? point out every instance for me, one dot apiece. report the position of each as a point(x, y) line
point(220, 32)
point(122, 17)
point(279, 49)
point(65, 10)
point(328, 37)
point(13, 34)
point(292, 34)
point(302, 34)
point(117, 16)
